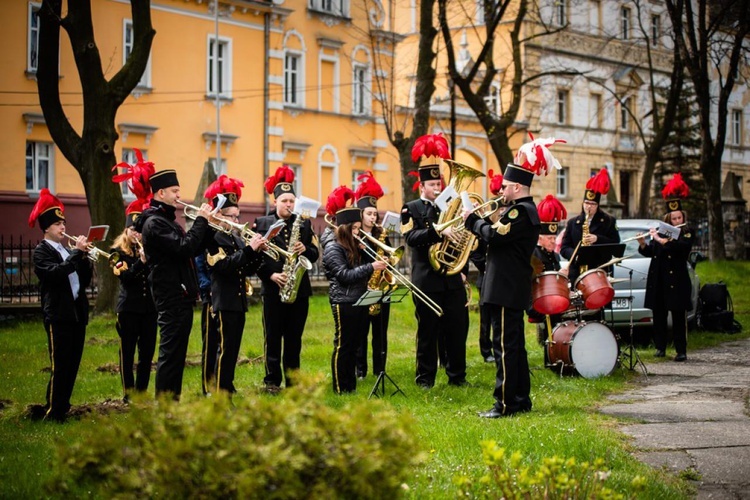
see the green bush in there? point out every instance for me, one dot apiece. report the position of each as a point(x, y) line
point(553, 478)
point(290, 446)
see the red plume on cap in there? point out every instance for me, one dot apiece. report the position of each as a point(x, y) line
point(496, 182)
point(536, 157)
point(369, 186)
point(430, 145)
point(136, 175)
point(338, 199)
point(675, 188)
point(599, 183)
point(224, 184)
point(551, 210)
point(46, 201)
point(283, 174)
point(415, 186)
point(138, 205)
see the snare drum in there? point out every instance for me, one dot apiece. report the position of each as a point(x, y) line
point(588, 349)
point(550, 293)
point(596, 289)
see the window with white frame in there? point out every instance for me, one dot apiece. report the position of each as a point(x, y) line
point(563, 178)
point(656, 29)
point(736, 127)
point(595, 110)
point(297, 182)
point(494, 104)
point(40, 158)
point(32, 55)
point(128, 156)
point(361, 90)
point(355, 182)
point(127, 49)
point(561, 12)
point(562, 106)
point(625, 23)
point(219, 67)
point(333, 7)
point(293, 79)
point(625, 110)
point(219, 169)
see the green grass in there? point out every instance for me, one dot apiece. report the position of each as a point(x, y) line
point(564, 421)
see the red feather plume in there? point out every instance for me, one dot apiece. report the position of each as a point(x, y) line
point(136, 175)
point(282, 174)
point(46, 201)
point(138, 205)
point(224, 184)
point(599, 183)
point(430, 145)
point(675, 188)
point(551, 210)
point(338, 199)
point(496, 182)
point(415, 186)
point(369, 186)
point(536, 157)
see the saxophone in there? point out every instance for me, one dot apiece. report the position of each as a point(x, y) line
point(294, 265)
point(380, 280)
point(584, 233)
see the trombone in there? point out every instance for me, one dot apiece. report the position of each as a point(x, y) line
point(458, 222)
point(93, 252)
point(393, 253)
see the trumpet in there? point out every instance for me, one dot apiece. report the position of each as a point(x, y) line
point(93, 252)
point(458, 222)
point(391, 267)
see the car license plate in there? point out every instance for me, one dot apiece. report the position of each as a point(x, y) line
point(621, 303)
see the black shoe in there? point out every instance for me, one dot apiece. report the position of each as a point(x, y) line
point(36, 412)
point(460, 383)
point(492, 413)
point(424, 387)
point(659, 353)
point(489, 359)
point(680, 357)
point(272, 389)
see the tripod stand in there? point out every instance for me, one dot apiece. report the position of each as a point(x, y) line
point(628, 352)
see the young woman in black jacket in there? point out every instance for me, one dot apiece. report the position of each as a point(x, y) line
point(348, 275)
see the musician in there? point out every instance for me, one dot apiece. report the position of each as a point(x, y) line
point(169, 255)
point(417, 219)
point(599, 227)
point(283, 323)
point(209, 329)
point(367, 195)
point(348, 275)
point(136, 313)
point(668, 286)
point(63, 278)
point(230, 262)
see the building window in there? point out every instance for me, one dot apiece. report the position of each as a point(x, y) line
point(127, 49)
point(561, 12)
point(494, 104)
point(361, 90)
point(355, 182)
point(563, 177)
point(656, 29)
point(736, 127)
point(219, 67)
point(293, 79)
point(333, 7)
point(128, 156)
point(595, 110)
point(625, 23)
point(479, 12)
point(595, 16)
point(39, 165)
point(562, 106)
point(297, 183)
point(625, 110)
point(32, 56)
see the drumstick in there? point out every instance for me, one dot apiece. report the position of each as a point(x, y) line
point(549, 329)
point(575, 252)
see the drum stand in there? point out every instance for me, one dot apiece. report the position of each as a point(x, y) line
point(629, 353)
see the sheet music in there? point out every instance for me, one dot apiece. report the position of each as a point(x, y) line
point(668, 231)
point(444, 198)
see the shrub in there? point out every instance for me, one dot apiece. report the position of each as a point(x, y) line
point(292, 446)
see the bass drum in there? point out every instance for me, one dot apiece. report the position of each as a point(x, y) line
point(588, 349)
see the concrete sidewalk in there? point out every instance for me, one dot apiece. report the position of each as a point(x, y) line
point(695, 415)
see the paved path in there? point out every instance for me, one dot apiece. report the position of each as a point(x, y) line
point(695, 415)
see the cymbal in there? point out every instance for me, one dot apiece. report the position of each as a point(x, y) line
point(615, 260)
point(618, 280)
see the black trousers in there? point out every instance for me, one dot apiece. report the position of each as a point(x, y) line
point(453, 325)
point(65, 345)
point(283, 325)
point(679, 330)
point(209, 349)
point(137, 331)
point(485, 333)
point(174, 325)
point(230, 326)
point(512, 380)
point(351, 324)
point(378, 324)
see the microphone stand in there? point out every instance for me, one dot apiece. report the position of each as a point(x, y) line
point(629, 352)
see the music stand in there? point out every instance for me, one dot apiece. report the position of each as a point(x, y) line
point(628, 352)
point(372, 297)
point(596, 255)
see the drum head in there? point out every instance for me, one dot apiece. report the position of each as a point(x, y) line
point(593, 350)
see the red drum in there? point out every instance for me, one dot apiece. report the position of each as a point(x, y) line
point(550, 293)
point(596, 289)
point(588, 349)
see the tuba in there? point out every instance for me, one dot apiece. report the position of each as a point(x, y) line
point(448, 257)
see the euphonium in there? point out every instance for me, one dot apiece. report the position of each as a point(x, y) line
point(449, 257)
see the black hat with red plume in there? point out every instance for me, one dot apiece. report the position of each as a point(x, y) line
point(138, 176)
point(280, 182)
point(551, 214)
point(675, 190)
point(230, 188)
point(597, 186)
point(496, 182)
point(339, 206)
point(47, 211)
point(428, 151)
point(368, 192)
point(135, 209)
point(532, 158)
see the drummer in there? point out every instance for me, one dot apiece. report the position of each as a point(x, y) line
point(551, 214)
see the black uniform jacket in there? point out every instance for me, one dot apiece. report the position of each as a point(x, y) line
point(417, 219)
point(603, 225)
point(668, 284)
point(270, 266)
point(550, 260)
point(508, 273)
point(169, 254)
point(57, 296)
point(228, 273)
point(135, 291)
point(347, 283)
